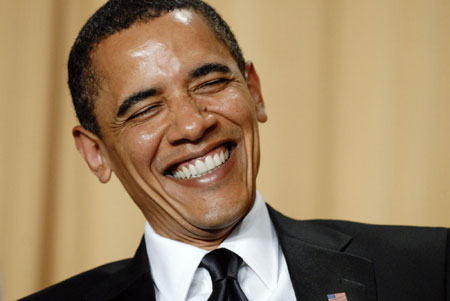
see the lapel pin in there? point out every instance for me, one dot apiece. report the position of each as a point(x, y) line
point(337, 297)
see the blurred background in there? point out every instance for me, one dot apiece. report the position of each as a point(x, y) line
point(358, 98)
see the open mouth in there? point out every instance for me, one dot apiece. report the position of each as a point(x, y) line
point(201, 166)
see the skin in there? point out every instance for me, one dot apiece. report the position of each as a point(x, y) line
point(170, 125)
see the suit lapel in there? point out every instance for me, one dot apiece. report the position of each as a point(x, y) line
point(318, 264)
point(134, 282)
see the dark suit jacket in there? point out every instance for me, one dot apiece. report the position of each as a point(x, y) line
point(367, 262)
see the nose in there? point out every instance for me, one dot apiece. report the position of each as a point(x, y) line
point(190, 122)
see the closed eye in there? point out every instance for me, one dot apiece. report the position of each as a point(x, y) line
point(146, 112)
point(212, 86)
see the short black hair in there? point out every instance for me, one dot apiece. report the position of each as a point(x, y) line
point(115, 16)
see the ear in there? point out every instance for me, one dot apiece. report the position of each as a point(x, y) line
point(254, 87)
point(88, 144)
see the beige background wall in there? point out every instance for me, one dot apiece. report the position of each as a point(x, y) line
point(358, 98)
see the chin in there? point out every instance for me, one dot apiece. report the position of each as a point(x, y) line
point(222, 216)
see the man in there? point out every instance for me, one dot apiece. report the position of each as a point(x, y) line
point(167, 102)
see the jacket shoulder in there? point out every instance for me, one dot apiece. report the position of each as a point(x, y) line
point(404, 257)
point(407, 240)
point(128, 279)
point(76, 287)
point(407, 260)
point(362, 239)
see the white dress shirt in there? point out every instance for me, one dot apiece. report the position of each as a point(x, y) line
point(263, 275)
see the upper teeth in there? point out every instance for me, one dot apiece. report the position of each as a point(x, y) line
point(201, 167)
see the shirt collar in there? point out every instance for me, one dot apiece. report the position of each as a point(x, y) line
point(255, 240)
point(174, 263)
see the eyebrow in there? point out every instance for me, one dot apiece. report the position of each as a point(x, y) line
point(209, 68)
point(133, 99)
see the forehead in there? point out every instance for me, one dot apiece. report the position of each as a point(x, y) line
point(174, 24)
point(153, 51)
point(181, 33)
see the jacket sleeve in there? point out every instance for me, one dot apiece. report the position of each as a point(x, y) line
point(447, 263)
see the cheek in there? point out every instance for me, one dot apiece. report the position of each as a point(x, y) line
point(237, 108)
point(141, 145)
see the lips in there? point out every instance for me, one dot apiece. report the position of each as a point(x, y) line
point(200, 166)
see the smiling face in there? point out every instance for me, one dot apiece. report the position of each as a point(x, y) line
point(179, 126)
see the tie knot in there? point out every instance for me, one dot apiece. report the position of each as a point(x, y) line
point(221, 264)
